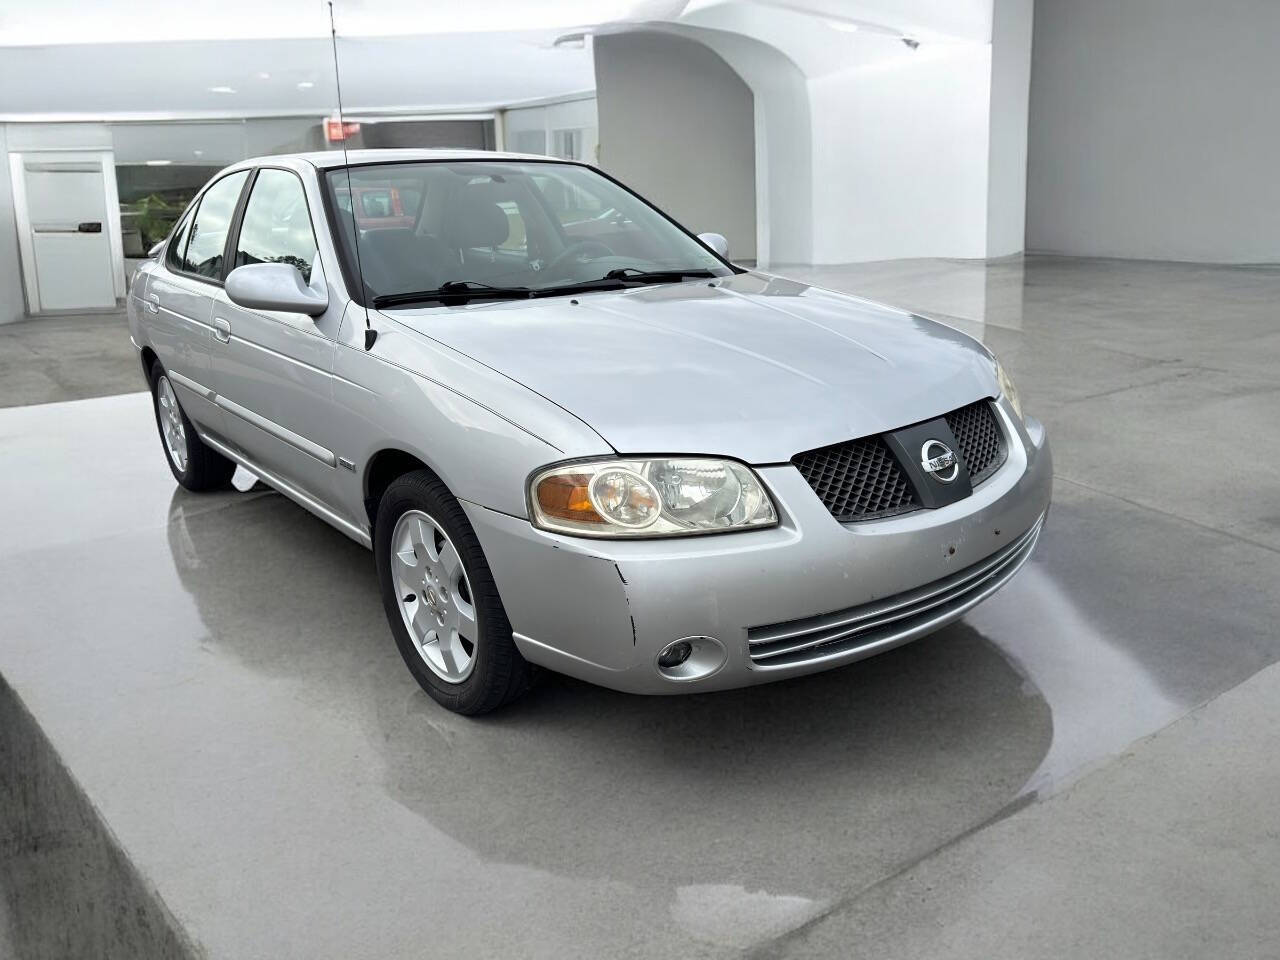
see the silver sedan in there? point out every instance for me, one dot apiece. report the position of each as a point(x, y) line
point(574, 435)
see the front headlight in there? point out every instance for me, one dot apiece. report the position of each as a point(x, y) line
point(649, 498)
point(1008, 389)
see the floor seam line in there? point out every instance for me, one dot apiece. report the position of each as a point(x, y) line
point(768, 949)
point(1167, 513)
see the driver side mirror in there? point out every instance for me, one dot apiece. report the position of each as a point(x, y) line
point(715, 242)
point(275, 286)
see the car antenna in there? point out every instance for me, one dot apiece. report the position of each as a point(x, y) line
point(370, 334)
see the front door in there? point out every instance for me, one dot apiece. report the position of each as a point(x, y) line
point(272, 370)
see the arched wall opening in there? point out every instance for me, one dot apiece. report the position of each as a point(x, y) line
point(677, 124)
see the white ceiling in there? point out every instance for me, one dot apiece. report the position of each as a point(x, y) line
point(247, 78)
point(148, 59)
point(154, 59)
point(42, 22)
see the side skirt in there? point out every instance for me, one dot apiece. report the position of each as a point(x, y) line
point(303, 500)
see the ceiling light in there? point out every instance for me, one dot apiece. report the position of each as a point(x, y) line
point(305, 85)
point(158, 163)
point(222, 89)
point(264, 76)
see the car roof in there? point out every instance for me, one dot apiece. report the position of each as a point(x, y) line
point(328, 159)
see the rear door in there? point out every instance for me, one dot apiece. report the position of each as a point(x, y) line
point(179, 298)
point(272, 369)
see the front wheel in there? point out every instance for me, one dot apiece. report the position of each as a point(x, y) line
point(441, 599)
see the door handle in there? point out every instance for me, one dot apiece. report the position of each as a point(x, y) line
point(153, 303)
point(222, 330)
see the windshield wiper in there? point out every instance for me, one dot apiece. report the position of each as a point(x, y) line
point(621, 279)
point(636, 275)
point(463, 291)
point(455, 291)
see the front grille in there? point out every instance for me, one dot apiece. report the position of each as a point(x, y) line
point(873, 627)
point(858, 480)
point(862, 479)
point(979, 437)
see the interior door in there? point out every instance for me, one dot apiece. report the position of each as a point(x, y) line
point(67, 254)
point(272, 369)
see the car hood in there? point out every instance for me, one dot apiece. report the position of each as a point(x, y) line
point(753, 367)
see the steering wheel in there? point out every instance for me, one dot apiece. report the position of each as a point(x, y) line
point(583, 250)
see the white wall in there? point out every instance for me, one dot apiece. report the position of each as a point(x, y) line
point(1007, 156)
point(783, 141)
point(900, 152)
point(677, 124)
point(25, 137)
point(1154, 129)
point(908, 152)
point(12, 302)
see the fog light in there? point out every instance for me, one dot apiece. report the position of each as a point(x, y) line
point(691, 658)
point(674, 654)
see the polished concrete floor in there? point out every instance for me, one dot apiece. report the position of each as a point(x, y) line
point(216, 674)
point(66, 357)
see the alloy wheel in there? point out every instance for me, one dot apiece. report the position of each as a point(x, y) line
point(171, 428)
point(435, 596)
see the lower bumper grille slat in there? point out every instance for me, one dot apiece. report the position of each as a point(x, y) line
point(884, 622)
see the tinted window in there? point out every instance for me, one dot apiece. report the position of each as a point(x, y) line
point(376, 203)
point(177, 246)
point(277, 227)
point(210, 225)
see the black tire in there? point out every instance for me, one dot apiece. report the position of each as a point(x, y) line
point(205, 468)
point(498, 674)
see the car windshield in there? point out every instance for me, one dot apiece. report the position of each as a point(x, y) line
point(502, 229)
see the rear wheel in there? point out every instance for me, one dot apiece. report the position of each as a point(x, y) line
point(194, 464)
point(441, 599)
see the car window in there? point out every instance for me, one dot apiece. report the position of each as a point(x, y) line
point(177, 246)
point(210, 224)
point(277, 225)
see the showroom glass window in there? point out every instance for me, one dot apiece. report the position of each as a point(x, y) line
point(277, 225)
point(210, 225)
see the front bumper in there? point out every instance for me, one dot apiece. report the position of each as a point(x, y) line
point(601, 610)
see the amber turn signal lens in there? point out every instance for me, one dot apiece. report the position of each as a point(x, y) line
point(565, 497)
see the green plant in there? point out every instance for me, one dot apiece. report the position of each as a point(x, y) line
point(154, 217)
